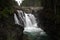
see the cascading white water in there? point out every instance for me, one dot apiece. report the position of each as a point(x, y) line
point(31, 29)
point(31, 24)
point(29, 21)
point(19, 18)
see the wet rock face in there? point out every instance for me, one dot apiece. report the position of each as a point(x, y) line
point(47, 22)
point(19, 32)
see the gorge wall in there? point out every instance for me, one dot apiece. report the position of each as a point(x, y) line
point(49, 18)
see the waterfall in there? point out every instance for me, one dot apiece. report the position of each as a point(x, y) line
point(28, 20)
point(19, 18)
point(31, 24)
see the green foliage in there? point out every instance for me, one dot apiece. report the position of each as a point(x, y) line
point(5, 12)
point(6, 18)
point(6, 7)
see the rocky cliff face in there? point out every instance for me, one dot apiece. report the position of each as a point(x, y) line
point(9, 30)
point(49, 21)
